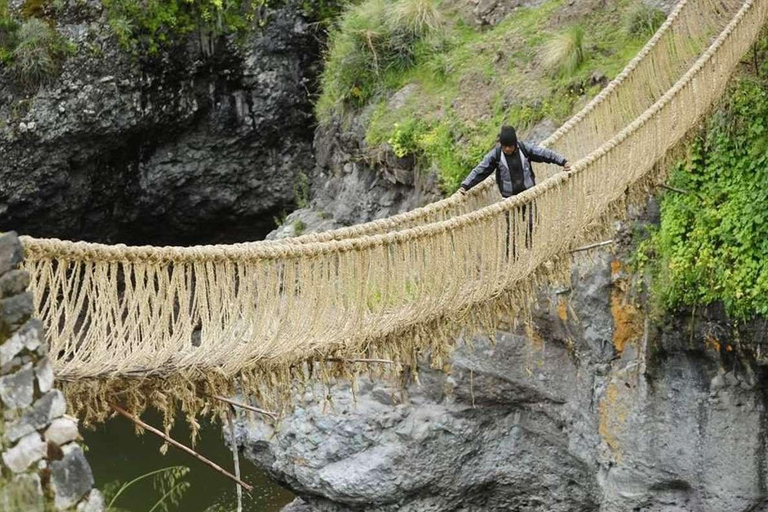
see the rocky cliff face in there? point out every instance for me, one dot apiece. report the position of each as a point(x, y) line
point(201, 143)
point(353, 183)
point(595, 408)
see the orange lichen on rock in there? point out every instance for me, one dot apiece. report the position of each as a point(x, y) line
point(536, 339)
point(613, 415)
point(627, 319)
point(711, 342)
point(628, 325)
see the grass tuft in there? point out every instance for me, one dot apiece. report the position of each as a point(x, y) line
point(418, 17)
point(564, 53)
point(644, 21)
point(34, 59)
point(372, 40)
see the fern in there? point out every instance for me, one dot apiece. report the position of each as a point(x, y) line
point(172, 486)
point(168, 482)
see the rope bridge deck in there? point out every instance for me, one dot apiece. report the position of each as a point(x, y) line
point(140, 321)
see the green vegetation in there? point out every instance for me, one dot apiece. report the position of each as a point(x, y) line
point(8, 39)
point(34, 8)
point(144, 26)
point(8, 34)
point(564, 53)
point(643, 20)
point(31, 48)
point(374, 39)
point(168, 483)
point(301, 190)
point(457, 84)
point(38, 54)
point(712, 245)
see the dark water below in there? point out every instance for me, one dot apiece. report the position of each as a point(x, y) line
point(115, 452)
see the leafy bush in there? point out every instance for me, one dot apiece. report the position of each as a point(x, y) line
point(371, 40)
point(434, 143)
point(124, 29)
point(405, 139)
point(644, 20)
point(712, 244)
point(564, 53)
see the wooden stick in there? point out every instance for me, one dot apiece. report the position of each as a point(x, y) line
point(754, 60)
point(339, 360)
point(593, 246)
point(679, 191)
point(673, 189)
point(245, 406)
point(180, 446)
point(236, 455)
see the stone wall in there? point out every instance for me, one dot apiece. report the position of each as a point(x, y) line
point(42, 465)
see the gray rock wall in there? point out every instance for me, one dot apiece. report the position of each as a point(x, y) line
point(192, 145)
point(42, 466)
point(354, 183)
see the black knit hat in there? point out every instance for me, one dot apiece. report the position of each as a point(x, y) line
point(507, 136)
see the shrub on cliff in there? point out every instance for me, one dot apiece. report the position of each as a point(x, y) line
point(146, 26)
point(8, 34)
point(440, 97)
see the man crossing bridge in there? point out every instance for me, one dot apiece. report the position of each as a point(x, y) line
point(511, 159)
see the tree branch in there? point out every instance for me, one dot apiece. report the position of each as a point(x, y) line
point(180, 446)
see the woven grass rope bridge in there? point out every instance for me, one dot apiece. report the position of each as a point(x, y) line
point(173, 326)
